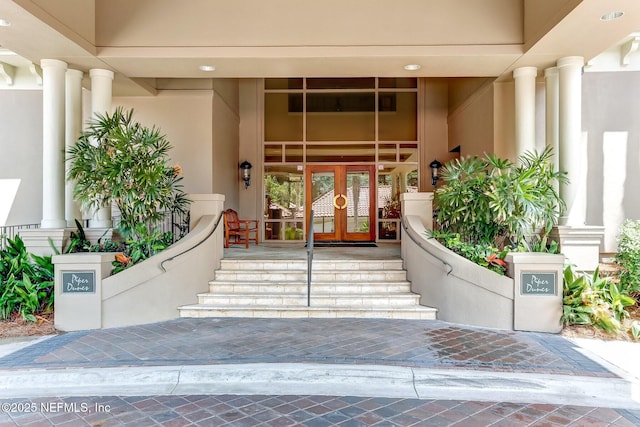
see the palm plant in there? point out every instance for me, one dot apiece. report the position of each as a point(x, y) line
point(493, 201)
point(117, 160)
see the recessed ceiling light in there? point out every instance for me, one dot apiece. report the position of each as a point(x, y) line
point(611, 15)
point(412, 67)
point(207, 68)
point(4, 23)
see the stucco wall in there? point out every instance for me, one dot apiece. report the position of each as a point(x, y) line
point(611, 102)
point(471, 125)
point(202, 126)
point(462, 291)
point(250, 202)
point(185, 117)
point(434, 129)
point(225, 137)
point(21, 152)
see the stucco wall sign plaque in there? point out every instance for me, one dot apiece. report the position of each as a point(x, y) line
point(78, 281)
point(537, 283)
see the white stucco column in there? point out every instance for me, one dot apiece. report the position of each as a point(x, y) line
point(73, 129)
point(53, 124)
point(571, 153)
point(580, 243)
point(525, 111)
point(101, 95)
point(551, 112)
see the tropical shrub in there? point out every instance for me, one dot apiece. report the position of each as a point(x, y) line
point(78, 242)
point(135, 251)
point(26, 282)
point(628, 256)
point(130, 252)
point(494, 202)
point(594, 300)
point(482, 254)
point(119, 161)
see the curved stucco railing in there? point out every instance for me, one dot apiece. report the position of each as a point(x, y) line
point(462, 291)
point(190, 248)
point(154, 289)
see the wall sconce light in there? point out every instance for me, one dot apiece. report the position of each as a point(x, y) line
point(245, 173)
point(435, 165)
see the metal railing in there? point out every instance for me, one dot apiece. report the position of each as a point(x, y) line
point(11, 231)
point(174, 222)
point(310, 239)
point(213, 230)
point(421, 246)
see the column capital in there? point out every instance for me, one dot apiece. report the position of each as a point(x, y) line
point(53, 63)
point(98, 72)
point(525, 72)
point(570, 61)
point(551, 71)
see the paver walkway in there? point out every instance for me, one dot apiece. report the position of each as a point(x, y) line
point(429, 345)
point(412, 343)
point(309, 411)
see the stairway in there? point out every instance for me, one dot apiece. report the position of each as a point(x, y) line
point(278, 288)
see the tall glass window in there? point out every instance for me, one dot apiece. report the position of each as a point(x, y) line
point(283, 203)
point(309, 121)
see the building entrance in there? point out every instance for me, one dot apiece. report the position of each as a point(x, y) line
point(342, 200)
point(343, 147)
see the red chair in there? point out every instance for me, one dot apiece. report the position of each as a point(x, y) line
point(239, 231)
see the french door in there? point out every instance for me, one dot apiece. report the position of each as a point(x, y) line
point(343, 201)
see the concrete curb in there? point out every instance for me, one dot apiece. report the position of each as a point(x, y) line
point(322, 379)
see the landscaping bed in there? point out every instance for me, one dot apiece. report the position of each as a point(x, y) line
point(18, 327)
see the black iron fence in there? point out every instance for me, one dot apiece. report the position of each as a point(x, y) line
point(174, 222)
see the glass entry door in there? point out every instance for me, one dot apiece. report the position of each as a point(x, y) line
point(342, 199)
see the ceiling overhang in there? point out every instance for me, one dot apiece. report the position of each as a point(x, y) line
point(145, 40)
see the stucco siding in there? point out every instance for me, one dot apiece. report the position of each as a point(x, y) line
point(21, 152)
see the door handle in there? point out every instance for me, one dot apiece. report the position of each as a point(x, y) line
point(335, 201)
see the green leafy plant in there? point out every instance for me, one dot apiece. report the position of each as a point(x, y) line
point(26, 282)
point(119, 161)
point(495, 202)
point(635, 330)
point(78, 242)
point(136, 251)
point(594, 300)
point(628, 256)
point(293, 233)
point(482, 254)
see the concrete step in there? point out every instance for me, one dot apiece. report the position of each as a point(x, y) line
point(318, 265)
point(257, 311)
point(339, 288)
point(347, 288)
point(300, 299)
point(255, 275)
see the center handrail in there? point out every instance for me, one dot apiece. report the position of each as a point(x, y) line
point(310, 240)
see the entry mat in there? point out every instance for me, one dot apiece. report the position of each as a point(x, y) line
point(344, 245)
